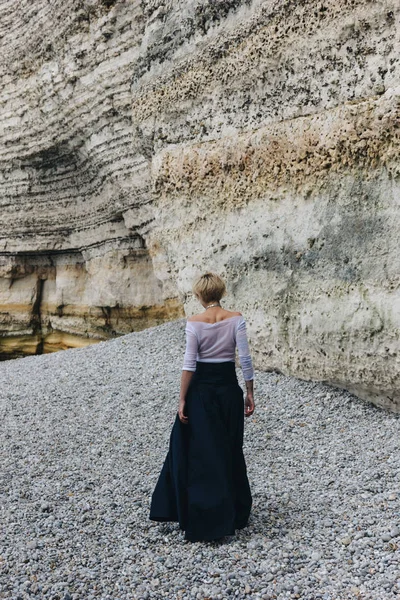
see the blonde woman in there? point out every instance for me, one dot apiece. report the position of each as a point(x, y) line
point(203, 483)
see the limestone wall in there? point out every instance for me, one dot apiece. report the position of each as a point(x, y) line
point(143, 142)
point(74, 190)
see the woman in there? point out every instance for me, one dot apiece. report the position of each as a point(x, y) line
point(203, 483)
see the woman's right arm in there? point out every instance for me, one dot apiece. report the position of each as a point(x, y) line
point(249, 402)
point(247, 366)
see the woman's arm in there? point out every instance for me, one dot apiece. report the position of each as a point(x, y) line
point(249, 402)
point(185, 382)
point(189, 367)
point(247, 366)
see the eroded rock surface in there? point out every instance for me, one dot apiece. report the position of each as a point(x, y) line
point(142, 143)
point(74, 263)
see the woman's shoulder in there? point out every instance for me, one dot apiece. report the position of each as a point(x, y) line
point(234, 313)
point(193, 319)
point(200, 317)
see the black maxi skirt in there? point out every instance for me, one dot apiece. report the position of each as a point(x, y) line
point(203, 483)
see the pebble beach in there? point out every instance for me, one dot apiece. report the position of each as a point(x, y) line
point(84, 434)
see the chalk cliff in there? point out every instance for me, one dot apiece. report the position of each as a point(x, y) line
point(75, 190)
point(143, 142)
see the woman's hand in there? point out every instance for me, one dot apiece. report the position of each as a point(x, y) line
point(249, 405)
point(186, 378)
point(181, 412)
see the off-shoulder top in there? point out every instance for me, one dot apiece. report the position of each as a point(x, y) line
point(216, 342)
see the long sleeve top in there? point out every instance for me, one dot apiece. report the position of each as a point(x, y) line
point(217, 342)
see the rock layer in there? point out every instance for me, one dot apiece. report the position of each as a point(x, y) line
point(145, 142)
point(74, 191)
point(64, 300)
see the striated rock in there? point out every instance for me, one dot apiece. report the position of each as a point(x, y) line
point(142, 143)
point(74, 264)
point(61, 300)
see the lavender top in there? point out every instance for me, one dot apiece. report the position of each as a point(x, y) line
point(216, 342)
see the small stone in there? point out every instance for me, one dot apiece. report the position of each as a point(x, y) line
point(346, 541)
point(386, 537)
point(315, 556)
point(395, 531)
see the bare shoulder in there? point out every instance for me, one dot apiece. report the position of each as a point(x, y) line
point(194, 318)
point(228, 314)
point(225, 314)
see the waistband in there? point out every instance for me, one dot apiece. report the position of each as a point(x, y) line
point(216, 371)
point(225, 366)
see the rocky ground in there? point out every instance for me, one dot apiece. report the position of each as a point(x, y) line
point(84, 436)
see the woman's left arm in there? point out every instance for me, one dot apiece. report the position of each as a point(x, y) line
point(185, 382)
point(189, 367)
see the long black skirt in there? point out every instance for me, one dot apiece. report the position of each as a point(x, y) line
point(203, 483)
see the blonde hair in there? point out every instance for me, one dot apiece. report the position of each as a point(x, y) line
point(209, 287)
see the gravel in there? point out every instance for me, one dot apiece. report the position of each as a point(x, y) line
point(84, 436)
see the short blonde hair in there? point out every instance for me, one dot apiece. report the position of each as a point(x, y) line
point(209, 287)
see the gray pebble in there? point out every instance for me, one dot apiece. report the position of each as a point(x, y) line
point(395, 531)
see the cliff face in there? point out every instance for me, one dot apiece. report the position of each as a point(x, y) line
point(142, 143)
point(75, 266)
